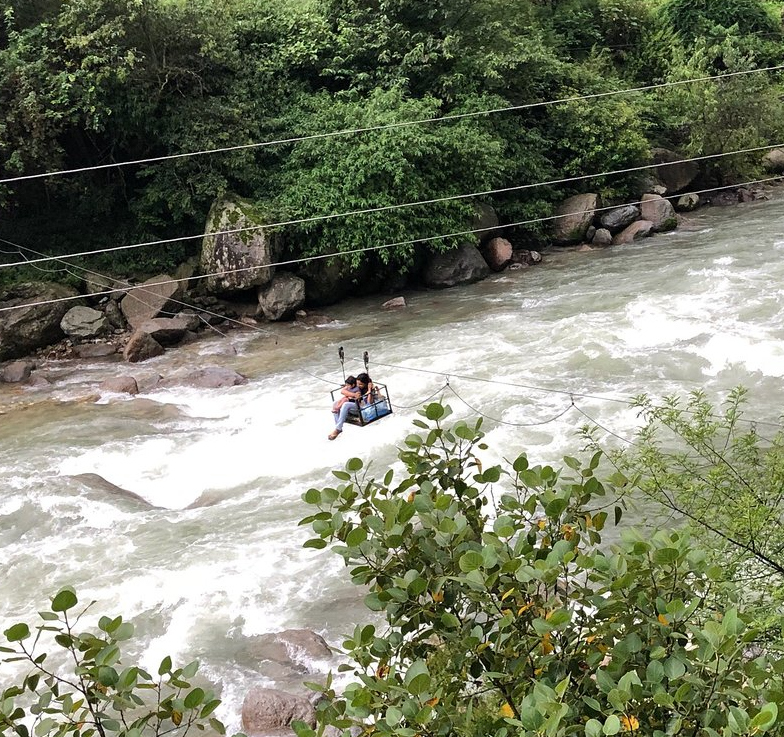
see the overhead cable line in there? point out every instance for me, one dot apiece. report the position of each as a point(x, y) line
point(387, 126)
point(406, 205)
point(448, 375)
point(368, 249)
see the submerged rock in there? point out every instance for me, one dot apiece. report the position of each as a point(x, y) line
point(120, 385)
point(209, 377)
point(267, 710)
point(96, 482)
point(293, 647)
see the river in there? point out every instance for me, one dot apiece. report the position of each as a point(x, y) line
point(698, 308)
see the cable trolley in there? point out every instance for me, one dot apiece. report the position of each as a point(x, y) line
point(369, 408)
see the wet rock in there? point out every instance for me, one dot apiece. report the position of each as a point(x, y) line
point(295, 648)
point(191, 319)
point(209, 377)
point(141, 346)
point(98, 483)
point(120, 385)
point(639, 229)
point(590, 233)
point(30, 326)
point(575, 216)
point(602, 237)
point(619, 218)
point(659, 212)
point(773, 161)
point(282, 297)
point(166, 330)
point(526, 257)
point(243, 258)
point(84, 323)
point(688, 202)
point(328, 281)
point(723, 199)
point(461, 265)
point(98, 287)
point(674, 172)
point(745, 195)
point(396, 303)
point(267, 710)
point(150, 299)
point(17, 372)
point(95, 350)
point(497, 253)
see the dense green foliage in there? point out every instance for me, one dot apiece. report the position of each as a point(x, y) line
point(91, 82)
point(506, 614)
point(81, 688)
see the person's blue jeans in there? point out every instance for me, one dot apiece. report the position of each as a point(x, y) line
point(346, 409)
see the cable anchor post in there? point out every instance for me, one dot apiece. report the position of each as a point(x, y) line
point(342, 357)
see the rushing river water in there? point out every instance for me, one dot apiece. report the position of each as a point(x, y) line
point(218, 557)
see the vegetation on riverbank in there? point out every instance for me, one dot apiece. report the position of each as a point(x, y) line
point(506, 614)
point(90, 82)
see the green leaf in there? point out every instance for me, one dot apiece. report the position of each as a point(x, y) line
point(674, 668)
point(189, 671)
point(417, 678)
point(665, 556)
point(593, 728)
point(17, 632)
point(64, 601)
point(434, 411)
point(765, 719)
point(315, 542)
point(165, 666)
point(194, 698)
point(123, 632)
point(356, 537)
point(354, 465)
point(470, 561)
point(612, 725)
point(312, 496)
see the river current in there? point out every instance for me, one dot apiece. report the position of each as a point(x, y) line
point(218, 556)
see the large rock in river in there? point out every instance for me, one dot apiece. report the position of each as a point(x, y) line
point(267, 710)
point(31, 325)
point(638, 229)
point(659, 212)
point(573, 218)
point(147, 300)
point(282, 297)
point(618, 218)
point(461, 265)
point(84, 322)
point(243, 255)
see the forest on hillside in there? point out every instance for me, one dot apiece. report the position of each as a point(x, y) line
point(92, 82)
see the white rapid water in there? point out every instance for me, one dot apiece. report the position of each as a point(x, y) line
point(218, 556)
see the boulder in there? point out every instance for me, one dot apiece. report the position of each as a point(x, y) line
point(485, 221)
point(141, 346)
point(602, 237)
point(192, 320)
point(166, 330)
point(658, 211)
point(395, 303)
point(296, 648)
point(17, 372)
point(327, 281)
point(573, 218)
point(618, 218)
point(120, 385)
point(84, 323)
point(267, 710)
point(590, 233)
point(98, 483)
point(724, 199)
point(209, 377)
point(773, 161)
point(674, 172)
point(745, 195)
point(282, 297)
point(114, 315)
point(526, 257)
point(149, 299)
point(498, 253)
point(95, 350)
point(638, 229)
point(31, 325)
point(687, 202)
point(244, 257)
point(461, 265)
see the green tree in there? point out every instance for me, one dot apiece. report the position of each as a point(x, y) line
point(82, 688)
point(506, 614)
point(725, 476)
